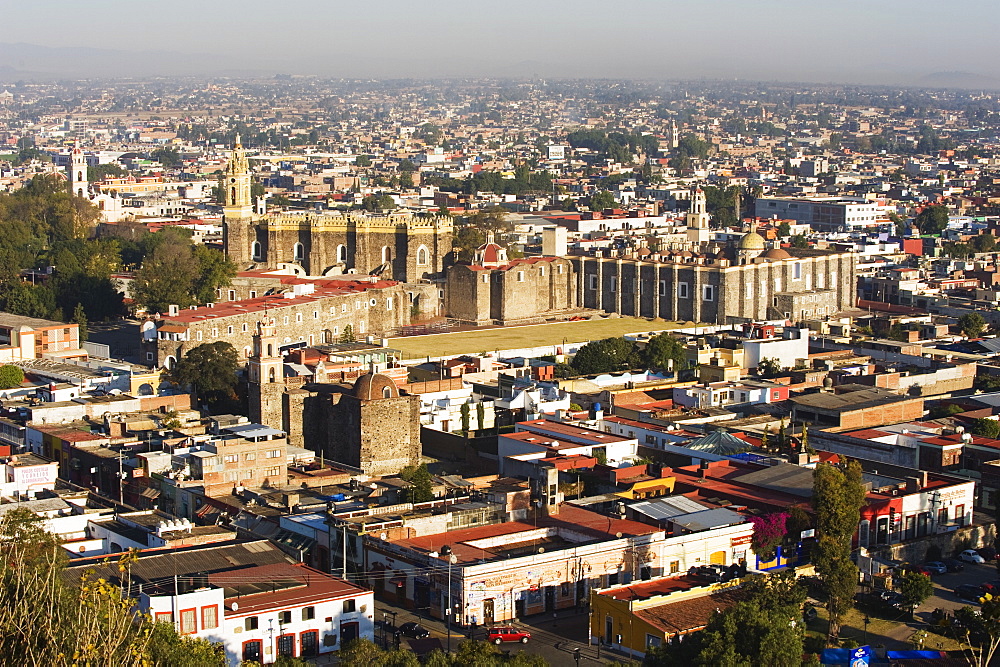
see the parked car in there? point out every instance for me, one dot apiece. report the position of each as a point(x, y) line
point(988, 553)
point(936, 567)
point(508, 634)
point(913, 567)
point(971, 556)
point(809, 612)
point(890, 600)
point(414, 630)
point(968, 592)
point(953, 564)
point(991, 587)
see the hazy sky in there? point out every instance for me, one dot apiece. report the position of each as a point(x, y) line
point(864, 41)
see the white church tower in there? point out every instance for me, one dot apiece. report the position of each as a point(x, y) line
point(697, 219)
point(77, 173)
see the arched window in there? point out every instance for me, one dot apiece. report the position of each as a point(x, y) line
point(421, 256)
point(169, 362)
point(386, 392)
point(79, 192)
point(232, 195)
point(256, 250)
point(79, 175)
point(298, 251)
point(342, 253)
point(270, 375)
point(385, 254)
point(270, 350)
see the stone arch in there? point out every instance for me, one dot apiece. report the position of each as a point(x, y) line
point(342, 253)
point(298, 252)
point(256, 250)
point(169, 362)
point(386, 254)
point(422, 256)
point(146, 389)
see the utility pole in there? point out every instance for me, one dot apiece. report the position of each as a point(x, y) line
point(446, 551)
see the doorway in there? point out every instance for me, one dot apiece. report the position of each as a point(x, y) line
point(488, 611)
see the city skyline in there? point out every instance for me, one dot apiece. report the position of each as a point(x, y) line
point(849, 42)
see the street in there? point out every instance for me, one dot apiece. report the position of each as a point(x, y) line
point(551, 638)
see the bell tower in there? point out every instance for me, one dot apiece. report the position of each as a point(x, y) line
point(237, 223)
point(77, 173)
point(697, 218)
point(267, 381)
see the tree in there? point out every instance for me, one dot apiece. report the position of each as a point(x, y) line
point(784, 229)
point(480, 415)
point(364, 652)
point(972, 325)
point(665, 352)
point(933, 219)
point(915, 587)
point(421, 483)
point(215, 270)
point(210, 370)
point(167, 277)
point(837, 500)
point(601, 200)
point(348, 335)
point(800, 241)
point(768, 533)
point(982, 630)
point(605, 356)
point(51, 621)
point(381, 202)
point(168, 156)
point(363, 161)
point(80, 319)
point(769, 367)
point(986, 427)
point(11, 376)
point(466, 413)
point(749, 634)
point(945, 410)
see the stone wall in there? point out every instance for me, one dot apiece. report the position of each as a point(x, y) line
point(318, 321)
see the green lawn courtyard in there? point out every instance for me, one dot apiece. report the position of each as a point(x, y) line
point(511, 338)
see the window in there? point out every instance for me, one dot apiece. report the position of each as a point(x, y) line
point(421, 256)
point(385, 254)
point(315, 314)
point(682, 291)
point(284, 617)
point(614, 283)
point(591, 282)
point(251, 623)
point(189, 622)
point(250, 456)
point(229, 330)
point(245, 327)
point(209, 617)
point(232, 295)
point(560, 268)
point(273, 453)
point(253, 294)
point(388, 303)
point(298, 317)
point(248, 474)
point(486, 278)
point(298, 252)
point(662, 291)
point(256, 250)
point(652, 641)
point(675, 566)
point(164, 617)
point(232, 458)
point(541, 271)
point(342, 253)
point(253, 650)
point(520, 276)
point(149, 355)
point(284, 320)
point(708, 293)
point(308, 613)
point(564, 589)
point(198, 336)
point(350, 606)
point(343, 307)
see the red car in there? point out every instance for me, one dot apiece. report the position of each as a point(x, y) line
point(501, 635)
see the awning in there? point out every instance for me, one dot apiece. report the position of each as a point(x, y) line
point(150, 493)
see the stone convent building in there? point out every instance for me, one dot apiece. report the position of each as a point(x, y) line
point(397, 246)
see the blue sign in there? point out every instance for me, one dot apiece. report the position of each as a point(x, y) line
point(860, 656)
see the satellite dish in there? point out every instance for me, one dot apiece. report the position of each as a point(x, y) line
point(235, 606)
point(618, 535)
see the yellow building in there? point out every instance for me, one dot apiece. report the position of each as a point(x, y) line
point(632, 619)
